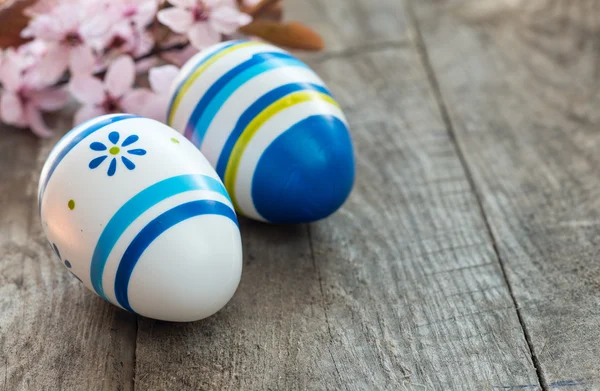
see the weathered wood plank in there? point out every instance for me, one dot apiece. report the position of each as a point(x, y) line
point(351, 24)
point(54, 334)
point(520, 81)
point(399, 290)
point(412, 287)
point(273, 335)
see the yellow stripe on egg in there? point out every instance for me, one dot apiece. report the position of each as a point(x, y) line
point(192, 78)
point(255, 125)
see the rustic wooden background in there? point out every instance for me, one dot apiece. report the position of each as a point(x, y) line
point(467, 258)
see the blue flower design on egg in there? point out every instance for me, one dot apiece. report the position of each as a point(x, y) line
point(115, 152)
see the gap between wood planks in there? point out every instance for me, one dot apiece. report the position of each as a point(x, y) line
point(422, 52)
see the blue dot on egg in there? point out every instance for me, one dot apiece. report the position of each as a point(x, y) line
point(67, 264)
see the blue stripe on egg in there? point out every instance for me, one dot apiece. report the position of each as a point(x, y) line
point(283, 132)
point(317, 180)
point(65, 149)
point(200, 63)
point(254, 110)
point(222, 89)
point(156, 228)
point(134, 208)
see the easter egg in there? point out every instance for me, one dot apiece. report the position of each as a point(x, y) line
point(269, 126)
point(135, 212)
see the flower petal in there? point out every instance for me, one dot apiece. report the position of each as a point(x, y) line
point(97, 161)
point(145, 13)
point(130, 140)
point(128, 163)
point(43, 27)
point(97, 146)
point(227, 20)
point(10, 71)
point(201, 35)
point(36, 122)
point(81, 60)
point(156, 108)
point(87, 89)
point(95, 26)
point(11, 108)
point(87, 112)
point(120, 76)
point(162, 77)
point(51, 66)
point(50, 99)
point(177, 19)
point(113, 137)
point(183, 3)
point(139, 152)
point(136, 100)
point(112, 168)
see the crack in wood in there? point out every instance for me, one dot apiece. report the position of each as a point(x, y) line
point(422, 50)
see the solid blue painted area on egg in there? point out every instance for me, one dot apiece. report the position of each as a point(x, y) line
point(307, 173)
point(67, 264)
point(253, 111)
point(156, 228)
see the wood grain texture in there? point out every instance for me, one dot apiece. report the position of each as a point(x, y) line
point(350, 24)
point(54, 334)
point(412, 287)
point(400, 290)
point(520, 83)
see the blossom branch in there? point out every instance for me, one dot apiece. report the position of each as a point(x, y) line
point(90, 48)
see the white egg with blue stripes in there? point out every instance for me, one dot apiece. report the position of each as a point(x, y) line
point(271, 129)
point(135, 212)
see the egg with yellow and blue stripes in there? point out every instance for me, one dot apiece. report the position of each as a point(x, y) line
point(269, 126)
point(136, 213)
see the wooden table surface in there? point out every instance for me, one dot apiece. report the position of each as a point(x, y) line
point(467, 257)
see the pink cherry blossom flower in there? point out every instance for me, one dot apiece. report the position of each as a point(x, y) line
point(156, 102)
point(140, 13)
point(22, 99)
point(41, 7)
point(70, 30)
point(204, 21)
point(129, 19)
point(125, 39)
point(113, 95)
